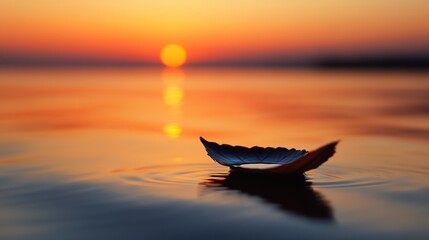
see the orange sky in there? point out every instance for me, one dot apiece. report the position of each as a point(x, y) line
point(210, 30)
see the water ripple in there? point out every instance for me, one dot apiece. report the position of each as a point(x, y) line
point(191, 174)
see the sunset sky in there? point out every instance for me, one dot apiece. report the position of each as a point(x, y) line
point(210, 31)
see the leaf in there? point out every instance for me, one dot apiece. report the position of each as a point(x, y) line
point(291, 161)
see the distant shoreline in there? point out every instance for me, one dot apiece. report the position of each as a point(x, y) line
point(376, 63)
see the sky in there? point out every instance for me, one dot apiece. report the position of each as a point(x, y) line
point(210, 31)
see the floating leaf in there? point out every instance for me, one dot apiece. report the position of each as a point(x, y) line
point(289, 161)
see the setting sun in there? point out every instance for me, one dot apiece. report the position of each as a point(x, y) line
point(173, 55)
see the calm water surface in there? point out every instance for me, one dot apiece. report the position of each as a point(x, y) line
point(114, 154)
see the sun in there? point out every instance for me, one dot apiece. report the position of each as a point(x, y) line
point(173, 55)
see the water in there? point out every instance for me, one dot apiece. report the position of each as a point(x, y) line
point(114, 153)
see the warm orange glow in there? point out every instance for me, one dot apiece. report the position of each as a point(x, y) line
point(210, 31)
point(173, 96)
point(173, 130)
point(173, 91)
point(173, 55)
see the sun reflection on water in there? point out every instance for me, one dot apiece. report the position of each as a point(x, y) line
point(173, 95)
point(173, 130)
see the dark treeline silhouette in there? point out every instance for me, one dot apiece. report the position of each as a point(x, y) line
point(387, 62)
point(401, 62)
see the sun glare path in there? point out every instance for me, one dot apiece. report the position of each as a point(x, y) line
point(173, 130)
point(173, 55)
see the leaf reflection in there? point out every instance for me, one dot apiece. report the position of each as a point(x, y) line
point(290, 194)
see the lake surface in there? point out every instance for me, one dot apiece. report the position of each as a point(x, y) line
point(115, 154)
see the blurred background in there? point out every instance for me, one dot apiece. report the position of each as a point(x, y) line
point(229, 33)
point(102, 104)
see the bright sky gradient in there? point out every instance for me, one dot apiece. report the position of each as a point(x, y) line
point(222, 30)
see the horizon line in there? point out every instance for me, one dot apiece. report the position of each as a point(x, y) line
point(374, 62)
